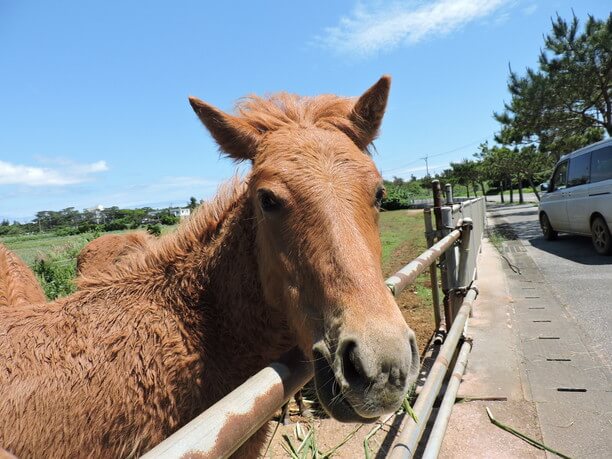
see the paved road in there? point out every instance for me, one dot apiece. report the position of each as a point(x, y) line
point(527, 197)
point(578, 277)
point(562, 314)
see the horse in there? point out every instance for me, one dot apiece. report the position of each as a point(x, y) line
point(105, 251)
point(290, 256)
point(18, 284)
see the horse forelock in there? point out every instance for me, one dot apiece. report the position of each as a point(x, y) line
point(282, 109)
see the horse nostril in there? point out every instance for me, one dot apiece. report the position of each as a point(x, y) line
point(352, 367)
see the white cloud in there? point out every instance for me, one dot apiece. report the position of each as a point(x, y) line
point(22, 202)
point(366, 31)
point(159, 192)
point(98, 166)
point(530, 9)
point(68, 174)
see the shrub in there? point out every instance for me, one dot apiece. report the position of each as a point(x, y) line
point(169, 219)
point(116, 225)
point(155, 230)
point(397, 197)
point(66, 231)
point(56, 270)
point(11, 230)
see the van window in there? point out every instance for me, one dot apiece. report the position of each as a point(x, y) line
point(559, 180)
point(601, 164)
point(579, 169)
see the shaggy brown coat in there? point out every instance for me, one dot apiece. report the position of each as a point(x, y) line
point(18, 284)
point(104, 252)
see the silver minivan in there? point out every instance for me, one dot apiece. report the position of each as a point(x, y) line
point(578, 198)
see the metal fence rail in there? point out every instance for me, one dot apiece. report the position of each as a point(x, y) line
point(408, 274)
point(224, 427)
point(436, 436)
point(411, 431)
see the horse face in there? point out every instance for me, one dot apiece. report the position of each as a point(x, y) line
point(316, 198)
point(316, 201)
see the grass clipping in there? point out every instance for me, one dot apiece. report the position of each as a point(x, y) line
point(308, 448)
point(523, 437)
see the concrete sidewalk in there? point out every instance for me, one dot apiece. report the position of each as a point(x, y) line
point(530, 367)
point(493, 377)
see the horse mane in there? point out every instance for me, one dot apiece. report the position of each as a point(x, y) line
point(283, 109)
point(199, 229)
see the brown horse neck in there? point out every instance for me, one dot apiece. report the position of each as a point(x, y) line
point(239, 321)
point(214, 286)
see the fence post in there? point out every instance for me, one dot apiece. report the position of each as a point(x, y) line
point(466, 265)
point(433, 273)
point(448, 190)
point(450, 302)
point(437, 210)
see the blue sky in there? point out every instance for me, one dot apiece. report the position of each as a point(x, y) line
point(93, 95)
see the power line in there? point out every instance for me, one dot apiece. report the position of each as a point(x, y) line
point(433, 156)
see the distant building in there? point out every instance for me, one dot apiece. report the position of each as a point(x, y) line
point(181, 212)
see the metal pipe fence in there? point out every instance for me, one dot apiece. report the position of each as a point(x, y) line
point(436, 437)
point(411, 430)
point(458, 266)
point(433, 271)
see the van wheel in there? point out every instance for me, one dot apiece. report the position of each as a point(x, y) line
point(602, 240)
point(547, 230)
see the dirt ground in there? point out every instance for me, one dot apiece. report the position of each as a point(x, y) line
point(349, 438)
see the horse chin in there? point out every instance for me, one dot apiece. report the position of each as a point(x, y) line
point(329, 393)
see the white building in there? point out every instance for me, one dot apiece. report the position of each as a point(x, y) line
point(181, 212)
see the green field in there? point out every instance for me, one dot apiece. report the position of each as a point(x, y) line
point(398, 227)
point(402, 234)
point(30, 246)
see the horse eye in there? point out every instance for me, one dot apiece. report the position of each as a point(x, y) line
point(269, 202)
point(380, 195)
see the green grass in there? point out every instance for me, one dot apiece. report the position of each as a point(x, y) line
point(166, 229)
point(30, 246)
point(496, 238)
point(405, 228)
point(399, 226)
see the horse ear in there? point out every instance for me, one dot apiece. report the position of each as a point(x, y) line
point(234, 135)
point(367, 114)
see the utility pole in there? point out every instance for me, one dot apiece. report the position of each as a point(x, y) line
point(426, 158)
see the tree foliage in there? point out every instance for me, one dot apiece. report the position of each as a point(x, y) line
point(566, 102)
point(193, 203)
point(465, 173)
point(400, 193)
